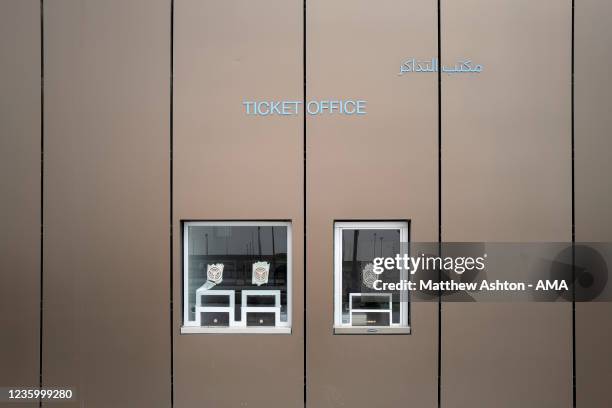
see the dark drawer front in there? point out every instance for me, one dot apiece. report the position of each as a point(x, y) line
point(215, 319)
point(370, 319)
point(260, 319)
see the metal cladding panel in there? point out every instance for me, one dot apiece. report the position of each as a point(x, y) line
point(20, 191)
point(593, 194)
point(376, 166)
point(106, 201)
point(506, 177)
point(232, 166)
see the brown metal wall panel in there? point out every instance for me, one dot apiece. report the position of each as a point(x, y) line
point(106, 203)
point(593, 194)
point(20, 191)
point(506, 160)
point(382, 165)
point(228, 165)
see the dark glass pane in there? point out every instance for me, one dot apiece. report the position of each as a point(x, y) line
point(216, 301)
point(371, 302)
point(261, 301)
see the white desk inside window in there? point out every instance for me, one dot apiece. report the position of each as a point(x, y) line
point(229, 309)
point(245, 309)
point(388, 310)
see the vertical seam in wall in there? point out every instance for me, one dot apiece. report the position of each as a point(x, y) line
point(439, 203)
point(573, 220)
point(304, 190)
point(171, 203)
point(42, 189)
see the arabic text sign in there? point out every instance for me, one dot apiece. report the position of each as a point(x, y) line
point(463, 66)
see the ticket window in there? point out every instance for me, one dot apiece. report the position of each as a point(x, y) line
point(361, 305)
point(236, 277)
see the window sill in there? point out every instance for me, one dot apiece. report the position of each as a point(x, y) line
point(372, 330)
point(235, 330)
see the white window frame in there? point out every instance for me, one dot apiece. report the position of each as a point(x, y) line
point(190, 326)
point(403, 326)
